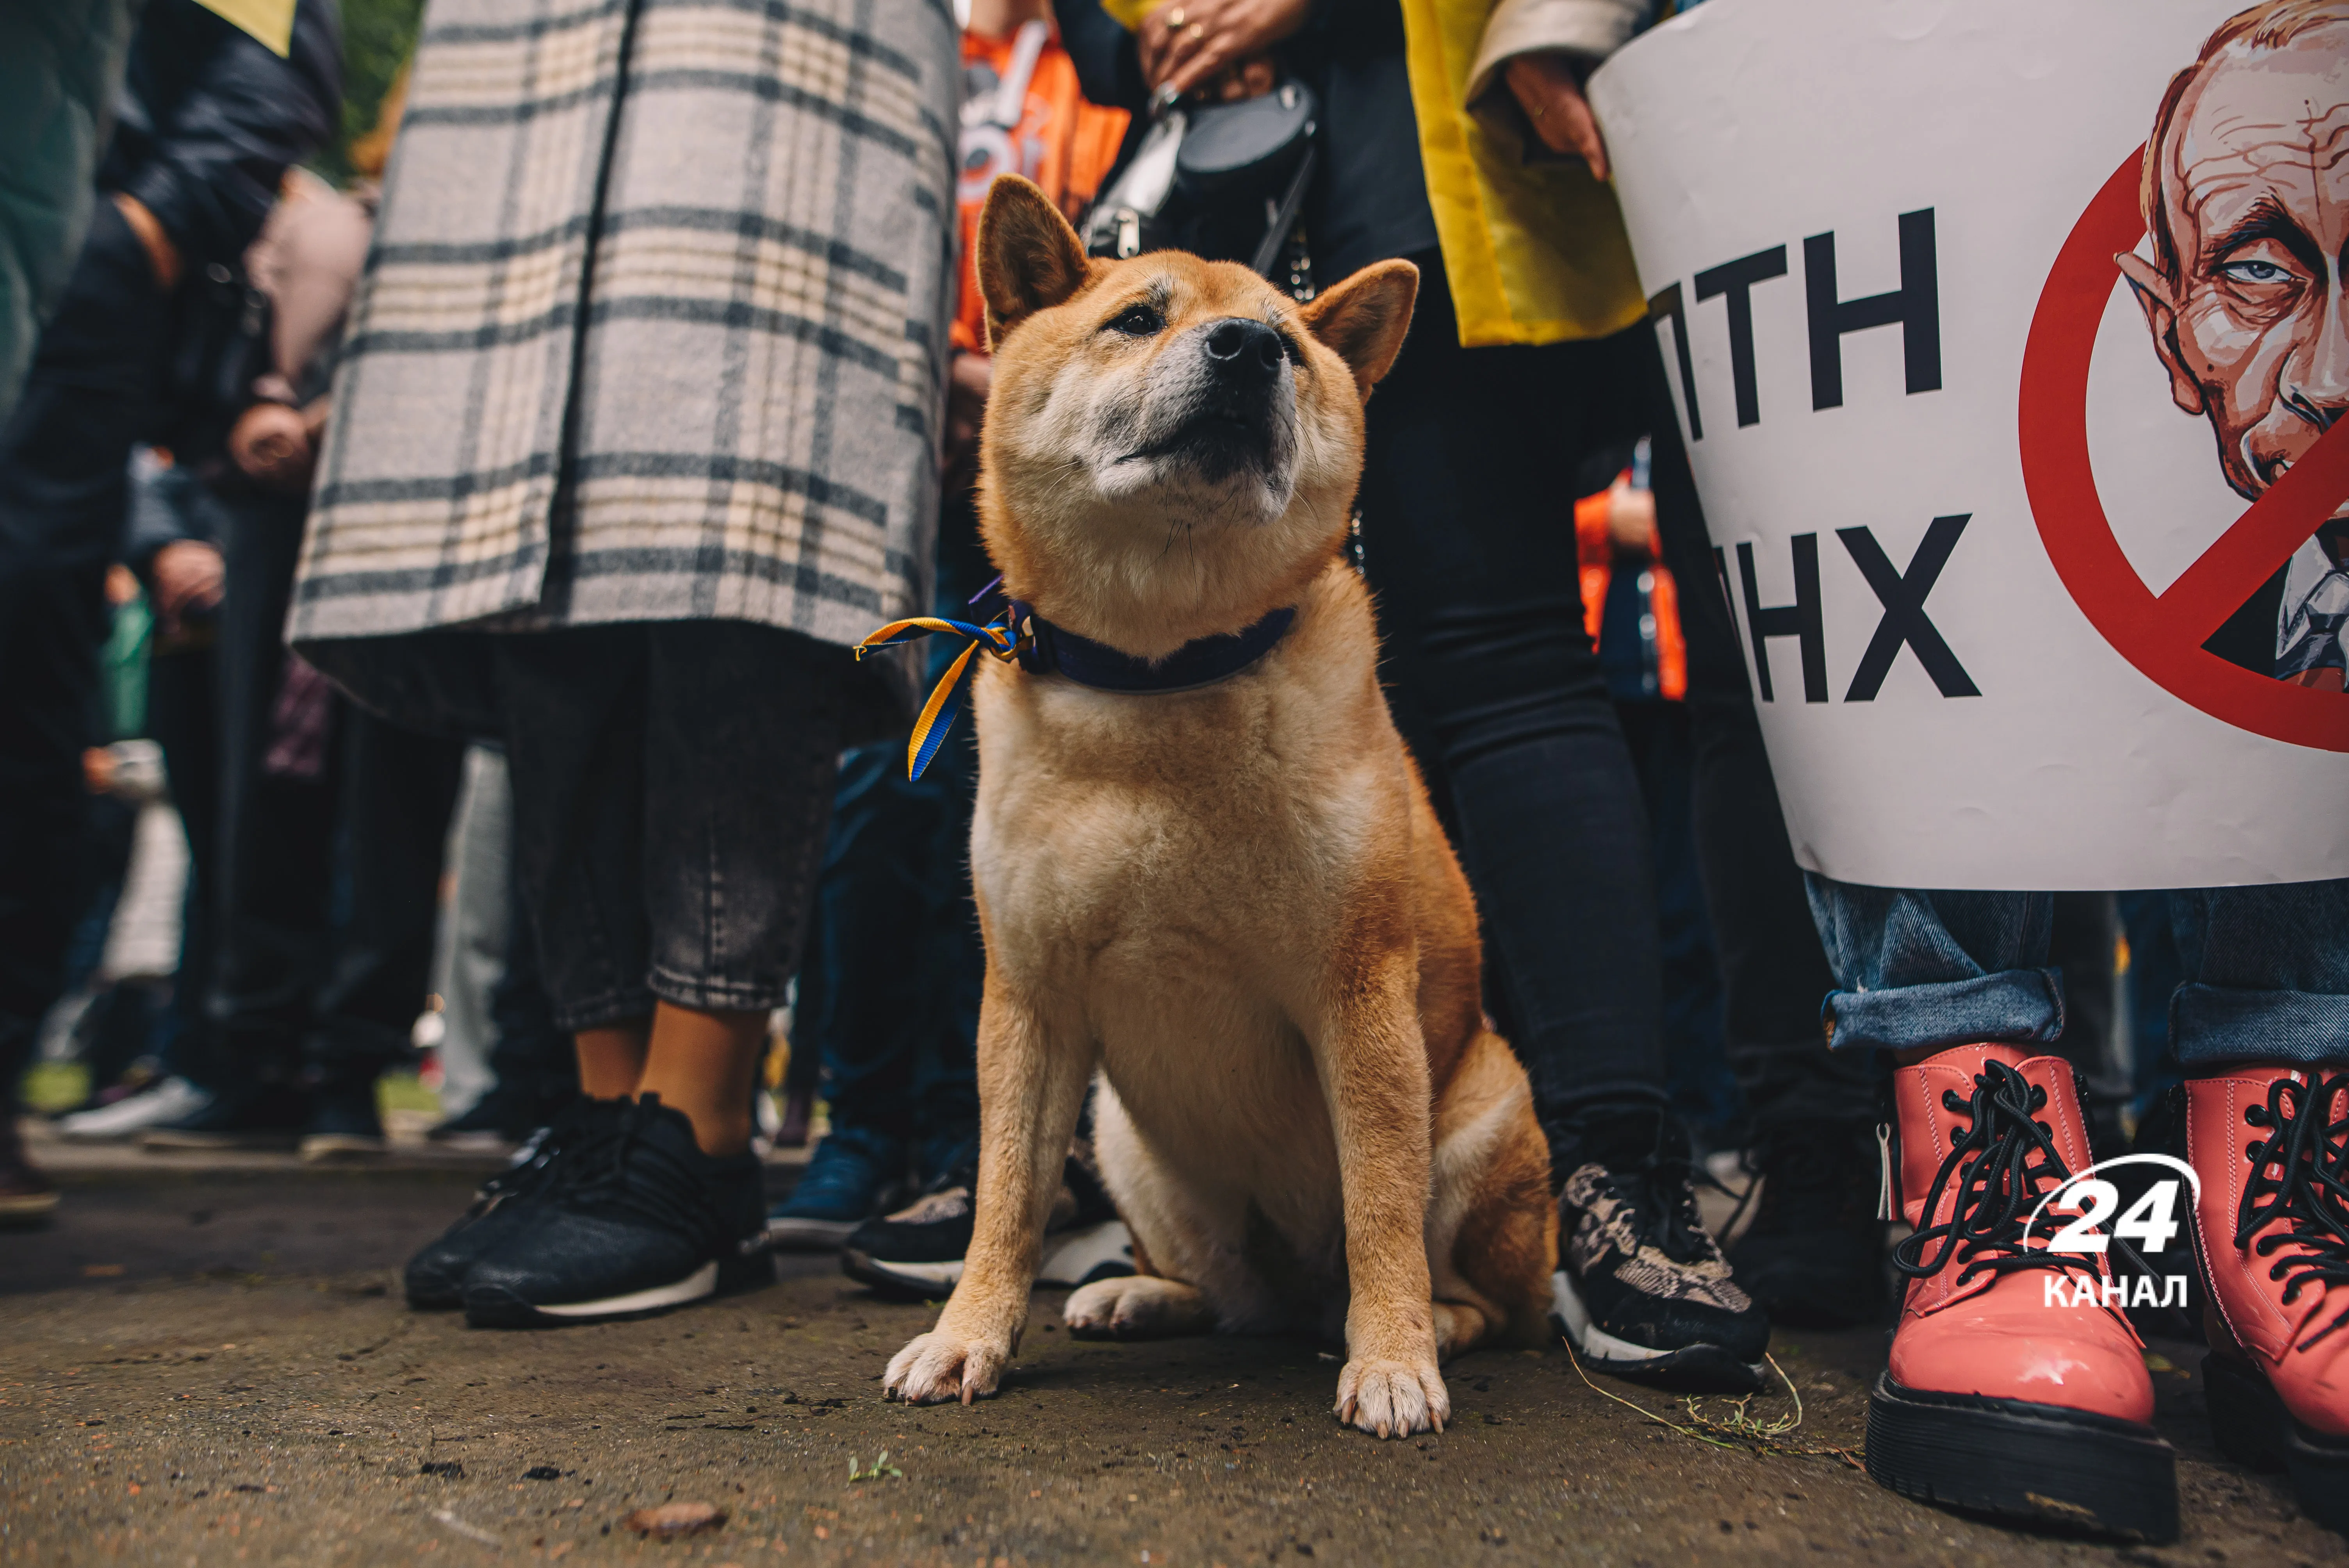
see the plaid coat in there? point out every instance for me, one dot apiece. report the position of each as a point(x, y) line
point(665, 352)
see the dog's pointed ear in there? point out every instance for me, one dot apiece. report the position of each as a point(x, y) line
point(1364, 318)
point(1028, 257)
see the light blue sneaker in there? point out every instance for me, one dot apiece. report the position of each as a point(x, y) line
point(850, 1176)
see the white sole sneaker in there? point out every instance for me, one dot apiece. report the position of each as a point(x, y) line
point(1072, 1258)
point(128, 1118)
point(1706, 1369)
point(701, 1282)
point(1082, 1256)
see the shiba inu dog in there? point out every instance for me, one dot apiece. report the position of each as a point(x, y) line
point(1220, 885)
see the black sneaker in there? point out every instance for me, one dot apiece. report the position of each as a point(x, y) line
point(1645, 1293)
point(918, 1251)
point(343, 1124)
point(435, 1277)
point(640, 1222)
point(1813, 1256)
point(264, 1115)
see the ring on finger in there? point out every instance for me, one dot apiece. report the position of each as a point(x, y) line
point(1198, 31)
point(1175, 18)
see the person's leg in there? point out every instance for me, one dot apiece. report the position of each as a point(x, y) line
point(2015, 1384)
point(398, 790)
point(183, 716)
point(468, 954)
point(573, 704)
point(2260, 1027)
point(740, 758)
point(2085, 947)
point(54, 545)
point(864, 996)
point(1812, 1253)
point(704, 1061)
point(734, 737)
point(271, 903)
point(537, 1065)
point(1468, 544)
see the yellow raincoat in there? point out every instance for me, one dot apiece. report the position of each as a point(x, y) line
point(1536, 251)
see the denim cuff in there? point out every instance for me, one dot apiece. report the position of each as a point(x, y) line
point(705, 995)
point(2018, 1005)
point(599, 1011)
point(2211, 1024)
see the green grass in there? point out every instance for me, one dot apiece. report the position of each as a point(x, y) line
point(53, 1087)
point(404, 1091)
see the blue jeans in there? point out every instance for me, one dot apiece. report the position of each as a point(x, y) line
point(2265, 970)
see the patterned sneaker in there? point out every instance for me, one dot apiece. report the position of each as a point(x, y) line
point(1645, 1293)
point(917, 1252)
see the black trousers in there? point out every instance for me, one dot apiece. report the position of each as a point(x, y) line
point(1773, 971)
point(1467, 540)
point(327, 885)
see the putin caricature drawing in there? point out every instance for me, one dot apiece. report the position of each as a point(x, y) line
point(2246, 195)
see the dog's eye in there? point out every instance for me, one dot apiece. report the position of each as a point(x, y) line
point(1136, 321)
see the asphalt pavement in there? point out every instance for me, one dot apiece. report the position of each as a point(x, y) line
point(209, 1363)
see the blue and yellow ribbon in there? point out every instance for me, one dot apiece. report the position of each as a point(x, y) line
point(938, 714)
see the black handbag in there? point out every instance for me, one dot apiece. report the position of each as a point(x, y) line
point(220, 345)
point(1224, 180)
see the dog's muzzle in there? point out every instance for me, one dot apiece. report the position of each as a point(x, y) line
point(1235, 422)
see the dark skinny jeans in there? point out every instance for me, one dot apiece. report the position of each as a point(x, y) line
point(1468, 542)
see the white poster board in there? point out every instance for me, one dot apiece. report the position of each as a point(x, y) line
point(2023, 619)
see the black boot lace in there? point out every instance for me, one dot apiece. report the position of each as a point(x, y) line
point(2003, 1164)
point(2299, 1174)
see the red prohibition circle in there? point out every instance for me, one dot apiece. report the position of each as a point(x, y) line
point(2160, 635)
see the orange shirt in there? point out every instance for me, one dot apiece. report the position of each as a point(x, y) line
point(1062, 143)
point(1595, 549)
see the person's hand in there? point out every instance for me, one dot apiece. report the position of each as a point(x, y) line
point(1545, 87)
point(162, 256)
point(97, 770)
point(1631, 520)
point(189, 577)
point(1185, 43)
point(271, 444)
point(967, 380)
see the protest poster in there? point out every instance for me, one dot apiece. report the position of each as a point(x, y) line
point(2021, 467)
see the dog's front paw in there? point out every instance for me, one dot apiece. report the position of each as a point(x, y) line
point(1393, 1398)
point(939, 1366)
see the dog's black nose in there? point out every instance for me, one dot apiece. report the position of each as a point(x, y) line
point(1243, 353)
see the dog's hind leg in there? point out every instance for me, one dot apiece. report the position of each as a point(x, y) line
point(1138, 1306)
point(1189, 1245)
point(1493, 1228)
point(1032, 1081)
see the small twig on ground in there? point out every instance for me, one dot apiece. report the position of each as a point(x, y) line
point(1740, 1430)
point(469, 1532)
